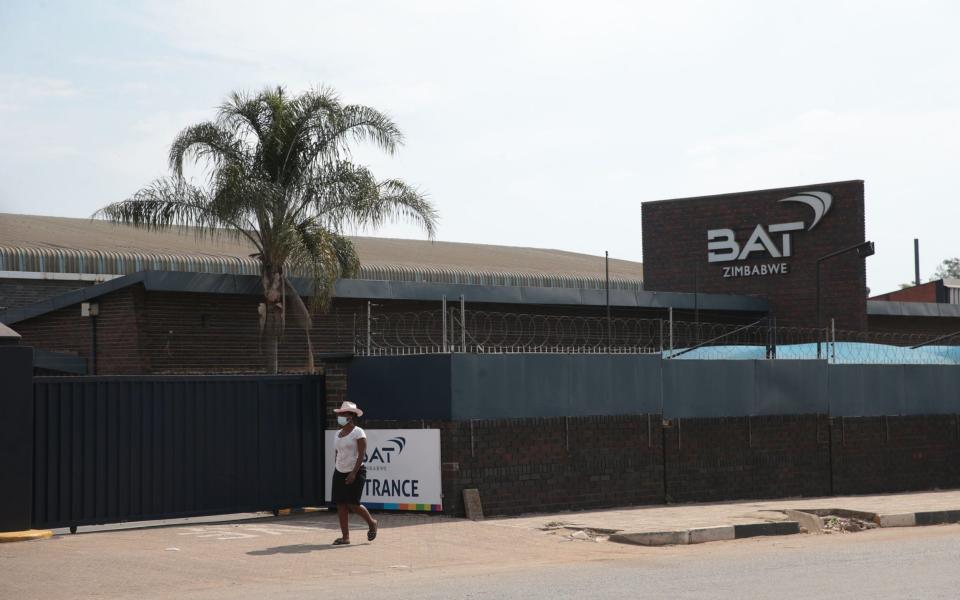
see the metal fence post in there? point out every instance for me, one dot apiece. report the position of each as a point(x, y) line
point(463, 324)
point(773, 334)
point(671, 333)
point(369, 304)
point(444, 301)
point(660, 338)
point(833, 340)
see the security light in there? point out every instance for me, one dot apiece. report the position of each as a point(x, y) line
point(865, 249)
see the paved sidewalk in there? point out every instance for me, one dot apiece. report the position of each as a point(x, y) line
point(890, 510)
point(277, 557)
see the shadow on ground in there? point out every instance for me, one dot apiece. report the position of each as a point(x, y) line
point(298, 549)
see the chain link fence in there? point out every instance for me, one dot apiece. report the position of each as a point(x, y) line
point(456, 329)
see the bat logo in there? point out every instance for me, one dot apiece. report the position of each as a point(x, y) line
point(820, 202)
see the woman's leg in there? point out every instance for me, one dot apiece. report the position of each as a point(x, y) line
point(364, 513)
point(343, 513)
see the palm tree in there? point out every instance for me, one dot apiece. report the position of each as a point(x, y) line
point(279, 174)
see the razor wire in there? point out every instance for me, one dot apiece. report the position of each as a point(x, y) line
point(485, 331)
point(479, 331)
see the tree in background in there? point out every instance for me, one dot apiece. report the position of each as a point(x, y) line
point(948, 269)
point(279, 174)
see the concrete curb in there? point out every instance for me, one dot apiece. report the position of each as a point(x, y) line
point(653, 538)
point(700, 535)
point(936, 517)
point(23, 536)
point(712, 534)
point(933, 517)
point(758, 529)
point(904, 520)
point(801, 520)
point(809, 523)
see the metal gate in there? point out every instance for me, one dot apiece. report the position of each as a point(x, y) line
point(112, 449)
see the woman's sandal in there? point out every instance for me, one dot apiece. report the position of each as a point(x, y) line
point(340, 542)
point(372, 532)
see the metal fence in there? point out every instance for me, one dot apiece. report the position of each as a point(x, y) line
point(456, 329)
point(113, 449)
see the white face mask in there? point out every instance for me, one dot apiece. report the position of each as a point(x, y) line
point(341, 421)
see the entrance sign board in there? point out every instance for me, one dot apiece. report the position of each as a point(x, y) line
point(403, 469)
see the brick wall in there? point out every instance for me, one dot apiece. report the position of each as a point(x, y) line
point(895, 454)
point(335, 383)
point(141, 332)
point(211, 333)
point(935, 326)
point(925, 292)
point(15, 293)
point(556, 464)
point(523, 465)
point(748, 457)
point(119, 327)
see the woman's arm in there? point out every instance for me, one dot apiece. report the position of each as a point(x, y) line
point(361, 452)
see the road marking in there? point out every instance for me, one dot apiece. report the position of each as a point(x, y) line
point(242, 532)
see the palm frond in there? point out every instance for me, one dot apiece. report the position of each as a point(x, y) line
point(324, 256)
point(165, 203)
point(204, 141)
point(400, 200)
point(242, 114)
point(170, 203)
point(349, 195)
point(366, 124)
point(313, 113)
point(327, 128)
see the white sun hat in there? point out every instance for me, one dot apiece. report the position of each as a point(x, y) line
point(348, 407)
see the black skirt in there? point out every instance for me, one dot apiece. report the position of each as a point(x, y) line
point(348, 494)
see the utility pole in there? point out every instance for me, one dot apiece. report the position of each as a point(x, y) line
point(606, 266)
point(916, 261)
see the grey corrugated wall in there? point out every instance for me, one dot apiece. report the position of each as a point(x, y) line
point(494, 386)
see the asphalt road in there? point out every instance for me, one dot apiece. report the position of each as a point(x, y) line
point(434, 558)
point(922, 564)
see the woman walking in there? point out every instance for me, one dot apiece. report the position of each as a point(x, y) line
point(349, 474)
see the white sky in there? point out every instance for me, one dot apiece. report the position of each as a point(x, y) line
point(539, 124)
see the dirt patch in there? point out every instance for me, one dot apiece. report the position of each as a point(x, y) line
point(572, 533)
point(838, 524)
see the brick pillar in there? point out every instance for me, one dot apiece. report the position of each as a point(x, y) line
point(335, 374)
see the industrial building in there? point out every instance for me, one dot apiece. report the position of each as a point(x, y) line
point(172, 302)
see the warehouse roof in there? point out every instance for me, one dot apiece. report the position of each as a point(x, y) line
point(69, 245)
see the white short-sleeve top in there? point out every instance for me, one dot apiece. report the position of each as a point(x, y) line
point(346, 449)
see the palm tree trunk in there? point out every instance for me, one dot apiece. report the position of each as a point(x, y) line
point(301, 315)
point(271, 320)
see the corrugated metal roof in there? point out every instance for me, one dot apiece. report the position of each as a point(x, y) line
point(65, 245)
